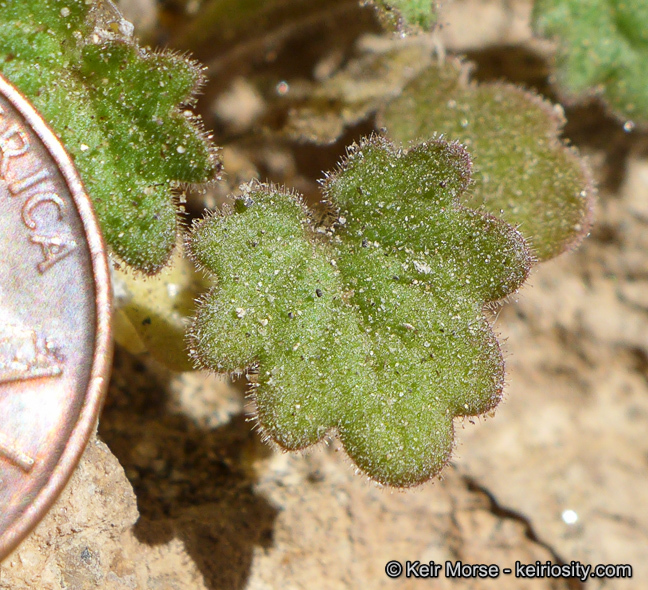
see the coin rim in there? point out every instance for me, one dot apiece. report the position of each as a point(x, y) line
point(102, 358)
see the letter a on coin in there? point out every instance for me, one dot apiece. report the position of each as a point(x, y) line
point(55, 347)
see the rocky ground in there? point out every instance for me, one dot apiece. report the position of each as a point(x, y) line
point(182, 495)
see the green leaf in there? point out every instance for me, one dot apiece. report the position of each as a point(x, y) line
point(373, 328)
point(408, 14)
point(523, 172)
point(120, 110)
point(602, 50)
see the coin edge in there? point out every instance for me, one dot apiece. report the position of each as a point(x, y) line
point(88, 417)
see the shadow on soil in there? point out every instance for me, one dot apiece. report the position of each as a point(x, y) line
point(191, 483)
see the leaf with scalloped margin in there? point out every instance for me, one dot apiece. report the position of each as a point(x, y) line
point(523, 172)
point(375, 328)
point(602, 50)
point(118, 109)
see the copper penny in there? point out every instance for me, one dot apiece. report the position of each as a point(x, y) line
point(55, 347)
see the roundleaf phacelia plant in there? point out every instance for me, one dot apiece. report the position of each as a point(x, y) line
point(369, 323)
point(373, 326)
point(120, 110)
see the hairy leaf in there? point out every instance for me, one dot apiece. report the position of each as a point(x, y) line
point(602, 49)
point(523, 172)
point(373, 329)
point(119, 110)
